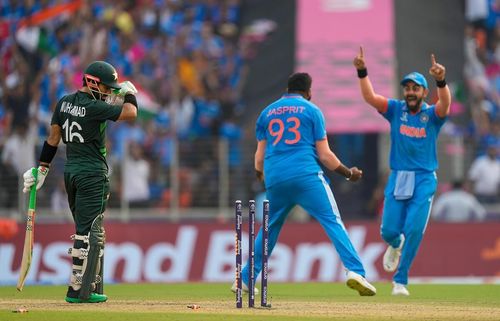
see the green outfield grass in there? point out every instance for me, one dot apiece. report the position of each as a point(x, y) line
point(298, 301)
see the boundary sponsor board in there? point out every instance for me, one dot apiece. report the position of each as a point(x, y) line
point(163, 252)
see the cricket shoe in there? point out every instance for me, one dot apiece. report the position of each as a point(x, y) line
point(392, 255)
point(244, 287)
point(93, 298)
point(359, 283)
point(399, 289)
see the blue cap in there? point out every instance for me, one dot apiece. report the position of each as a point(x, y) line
point(416, 77)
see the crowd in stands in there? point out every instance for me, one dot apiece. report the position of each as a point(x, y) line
point(480, 184)
point(186, 57)
point(482, 78)
point(482, 70)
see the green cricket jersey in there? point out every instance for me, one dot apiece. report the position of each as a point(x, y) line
point(83, 124)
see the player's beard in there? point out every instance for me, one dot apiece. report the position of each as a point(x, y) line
point(414, 103)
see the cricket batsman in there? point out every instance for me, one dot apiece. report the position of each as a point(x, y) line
point(80, 120)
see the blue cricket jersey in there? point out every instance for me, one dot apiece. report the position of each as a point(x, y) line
point(291, 126)
point(413, 136)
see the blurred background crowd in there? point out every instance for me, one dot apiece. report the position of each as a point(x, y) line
point(187, 59)
point(192, 145)
point(482, 80)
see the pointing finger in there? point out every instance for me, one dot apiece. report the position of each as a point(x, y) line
point(433, 59)
point(361, 51)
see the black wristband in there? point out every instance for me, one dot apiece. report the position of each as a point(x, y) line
point(48, 153)
point(441, 83)
point(129, 98)
point(362, 73)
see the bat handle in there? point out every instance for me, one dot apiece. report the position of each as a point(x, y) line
point(32, 204)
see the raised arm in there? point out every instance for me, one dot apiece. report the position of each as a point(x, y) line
point(129, 111)
point(438, 71)
point(130, 106)
point(369, 95)
point(331, 161)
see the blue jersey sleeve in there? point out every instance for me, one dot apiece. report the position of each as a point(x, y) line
point(319, 125)
point(435, 118)
point(260, 129)
point(391, 106)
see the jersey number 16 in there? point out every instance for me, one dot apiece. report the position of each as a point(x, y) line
point(70, 132)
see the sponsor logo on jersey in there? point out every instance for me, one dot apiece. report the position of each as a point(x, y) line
point(410, 131)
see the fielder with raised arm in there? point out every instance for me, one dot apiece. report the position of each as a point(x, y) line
point(412, 182)
point(292, 142)
point(80, 120)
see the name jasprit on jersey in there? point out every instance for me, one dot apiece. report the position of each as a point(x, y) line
point(285, 110)
point(67, 107)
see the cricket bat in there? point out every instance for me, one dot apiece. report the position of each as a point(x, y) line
point(29, 236)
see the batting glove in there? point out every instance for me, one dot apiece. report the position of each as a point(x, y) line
point(29, 179)
point(126, 87)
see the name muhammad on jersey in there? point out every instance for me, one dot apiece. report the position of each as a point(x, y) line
point(67, 107)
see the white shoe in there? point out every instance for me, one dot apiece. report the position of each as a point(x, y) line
point(359, 283)
point(244, 287)
point(399, 289)
point(391, 256)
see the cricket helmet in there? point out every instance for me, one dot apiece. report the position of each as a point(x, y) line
point(100, 72)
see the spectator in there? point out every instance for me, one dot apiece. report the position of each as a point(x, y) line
point(476, 12)
point(136, 172)
point(485, 175)
point(491, 138)
point(17, 99)
point(185, 194)
point(18, 154)
point(19, 150)
point(458, 205)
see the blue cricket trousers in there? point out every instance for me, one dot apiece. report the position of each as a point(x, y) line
point(408, 217)
point(314, 195)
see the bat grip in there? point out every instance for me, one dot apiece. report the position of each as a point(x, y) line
point(32, 203)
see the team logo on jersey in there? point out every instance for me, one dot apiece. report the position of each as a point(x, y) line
point(404, 117)
point(424, 118)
